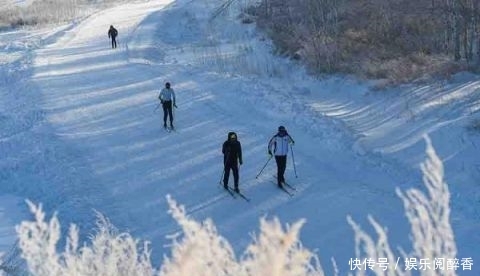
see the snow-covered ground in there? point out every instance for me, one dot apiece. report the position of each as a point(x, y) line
point(80, 132)
point(11, 3)
point(9, 214)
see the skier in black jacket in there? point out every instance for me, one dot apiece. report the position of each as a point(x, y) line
point(232, 155)
point(112, 33)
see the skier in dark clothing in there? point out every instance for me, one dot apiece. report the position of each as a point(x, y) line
point(112, 33)
point(279, 145)
point(232, 155)
point(167, 98)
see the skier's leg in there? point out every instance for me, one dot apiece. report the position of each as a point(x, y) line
point(279, 169)
point(226, 176)
point(170, 114)
point(282, 167)
point(235, 176)
point(164, 106)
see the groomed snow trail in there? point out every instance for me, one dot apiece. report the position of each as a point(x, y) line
point(100, 104)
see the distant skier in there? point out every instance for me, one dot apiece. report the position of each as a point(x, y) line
point(232, 155)
point(279, 145)
point(112, 33)
point(167, 98)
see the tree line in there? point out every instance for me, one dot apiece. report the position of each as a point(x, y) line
point(35, 13)
point(399, 40)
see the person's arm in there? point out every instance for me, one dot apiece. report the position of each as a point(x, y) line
point(291, 139)
point(161, 95)
point(240, 153)
point(224, 147)
point(271, 144)
point(226, 153)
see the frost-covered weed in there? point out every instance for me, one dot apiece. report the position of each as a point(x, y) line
point(431, 233)
point(109, 252)
point(279, 253)
point(198, 249)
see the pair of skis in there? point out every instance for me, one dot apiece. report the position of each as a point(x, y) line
point(287, 188)
point(169, 129)
point(234, 194)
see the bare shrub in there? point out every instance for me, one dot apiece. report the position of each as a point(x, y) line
point(48, 12)
point(411, 68)
point(392, 40)
point(40, 12)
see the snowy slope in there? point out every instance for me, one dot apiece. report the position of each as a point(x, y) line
point(90, 137)
point(9, 3)
point(24, 143)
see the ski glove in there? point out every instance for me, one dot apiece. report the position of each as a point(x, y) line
point(241, 162)
point(270, 152)
point(175, 105)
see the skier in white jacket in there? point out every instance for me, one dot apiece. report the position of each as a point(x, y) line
point(279, 145)
point(167, 98)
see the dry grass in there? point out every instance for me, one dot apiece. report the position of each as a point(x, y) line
point(397, 41)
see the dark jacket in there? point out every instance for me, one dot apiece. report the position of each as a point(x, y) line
point(232, 151)
point(112, 32)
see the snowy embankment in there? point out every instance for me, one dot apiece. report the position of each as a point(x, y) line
point(94, 139)
point(22, 139)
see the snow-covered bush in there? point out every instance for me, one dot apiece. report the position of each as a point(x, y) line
point(110, 252)
point(432, 234)
point(199, 250)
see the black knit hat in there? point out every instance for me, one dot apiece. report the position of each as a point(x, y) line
point(232, 135)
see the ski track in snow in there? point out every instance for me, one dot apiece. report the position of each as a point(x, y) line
point(98, 143)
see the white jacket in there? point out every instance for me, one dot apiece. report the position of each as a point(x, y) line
point(167, 95)
point(279, 144)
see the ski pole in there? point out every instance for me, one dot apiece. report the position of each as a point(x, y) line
point(174, 115)
point(293, 159)
point(264, 166)
point(158, 105)
point(173, 110)
point(223, 172)
point(221, 177)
